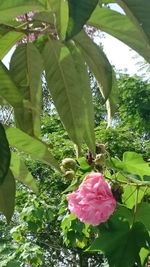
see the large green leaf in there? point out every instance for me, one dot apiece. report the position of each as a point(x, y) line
point(10, 9)
point(21, 172)
point(7, 41)
point(97, 62)
point(26, 67)
point(32, 146)
point(143, 214)
point(79, 13)
point(86, 95)
point(8, 90)
point(4, 154)
point(7, 196)
point(121, 27)
point(130, 196)
point(132, 163)
point(122, 245)
point(101, 68)
point(64, 86)
point(138, 11)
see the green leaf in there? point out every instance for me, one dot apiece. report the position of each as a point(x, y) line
point(79, 13)
point(4, 154)
point(44, 16)
point(86, 95)
point(121, 27)
point(144, 255)
point(10, 9)
point(8, 90)
point(124, 212)
point(122, 245)
point(32, 146)
point(7, 41)
point(84, 166)
point(64, 14)
point(101, 68)
point(143, 213)
point(138, 12)
point(132, 163)
point(26, 67)
point(97, 62)
point(21, 172)
point(7, 196)
point(129, 196)
point(65, 89)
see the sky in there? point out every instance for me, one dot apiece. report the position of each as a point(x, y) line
point(119, 54)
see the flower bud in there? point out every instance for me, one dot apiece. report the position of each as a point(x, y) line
point(100, 159)
point(100, 149)
point(69, 164)
point(70, 174)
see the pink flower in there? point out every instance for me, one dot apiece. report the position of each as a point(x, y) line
point(92, 202)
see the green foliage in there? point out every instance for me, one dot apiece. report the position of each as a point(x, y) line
point(120, 139)
point(134, 98)
point(131, 240)
point(132, 163)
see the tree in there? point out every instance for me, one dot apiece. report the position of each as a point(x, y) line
point(134, 101)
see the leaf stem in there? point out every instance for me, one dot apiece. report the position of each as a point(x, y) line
point(136, 202)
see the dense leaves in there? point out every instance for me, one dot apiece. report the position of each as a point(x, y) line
point(131, 241)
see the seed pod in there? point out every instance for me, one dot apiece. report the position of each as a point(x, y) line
point(69, 164)
point(70, 174)
point(100, 149)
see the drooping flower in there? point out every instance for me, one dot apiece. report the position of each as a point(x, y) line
point(93, 201)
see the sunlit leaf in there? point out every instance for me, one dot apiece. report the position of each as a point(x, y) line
point(21, 172)
point(132, 163)
point(8, 90)
point(26, 67)
point(65, 89)
point(86, 96)
point(32, 146)
point(7, 41)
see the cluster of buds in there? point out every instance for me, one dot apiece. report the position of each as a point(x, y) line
point(68, 167)
point(99, 159)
